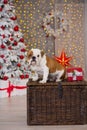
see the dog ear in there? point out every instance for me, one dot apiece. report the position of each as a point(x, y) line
point(29, 53)
point(42, 53)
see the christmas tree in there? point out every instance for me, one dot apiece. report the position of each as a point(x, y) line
point(12, 48)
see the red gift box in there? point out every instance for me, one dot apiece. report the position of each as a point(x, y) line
point(74, 74)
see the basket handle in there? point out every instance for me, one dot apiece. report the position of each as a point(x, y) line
point(60, 90)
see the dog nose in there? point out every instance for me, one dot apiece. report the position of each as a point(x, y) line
point(33, 57)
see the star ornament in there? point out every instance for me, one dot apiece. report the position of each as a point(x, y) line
point(63, 59)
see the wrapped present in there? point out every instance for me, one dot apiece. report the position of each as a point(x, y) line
point(19, 86)
point(12, 88)
point(74, 74)
point(3, 90)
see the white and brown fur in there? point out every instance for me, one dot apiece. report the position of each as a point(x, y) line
point(46, 65)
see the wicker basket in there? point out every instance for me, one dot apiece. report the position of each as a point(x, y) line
point(62, 103)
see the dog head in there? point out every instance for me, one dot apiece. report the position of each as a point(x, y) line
point(34, 56)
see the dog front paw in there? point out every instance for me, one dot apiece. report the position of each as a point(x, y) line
point(34, 79)
point(58, 80)
point(42, 81)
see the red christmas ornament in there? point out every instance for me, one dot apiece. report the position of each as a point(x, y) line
point(15, 43)
point(3, 35)
point(5, 77)
point(22, 76)
point(5, 1)
point(11, 38)
point(2, 56)
point(13, 18)
point(16, 28)
point(19, 65)
point(21, 57)
point(21, 40)
point(26, 76)
point(3, 27)
point(0, 67)
point(10, 48)
point(23, 50)
point(2, 46)
point(0, 9)
point(63, 59)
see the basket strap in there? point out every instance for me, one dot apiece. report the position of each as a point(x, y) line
point(60, 90)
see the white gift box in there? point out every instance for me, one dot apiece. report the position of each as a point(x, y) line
point(3, 85)
point(20, 84)
point(16, 86)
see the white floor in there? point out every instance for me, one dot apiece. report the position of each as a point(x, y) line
point(13, 116)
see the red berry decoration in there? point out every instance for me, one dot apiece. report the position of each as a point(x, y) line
point(16, 28)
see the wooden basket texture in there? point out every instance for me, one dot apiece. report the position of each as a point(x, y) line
point(53, 103)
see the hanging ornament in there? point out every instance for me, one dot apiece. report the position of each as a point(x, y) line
point(10, 47)
point(15, 43)
point(5, 77)
point(2, 56)
point(21, 57)
point(26, 76)
point(23, 50)
point(13, 18)
point(11, 38)
point(19, 65)
point(63, 59)
point(2, 46)
point(2, 27)
point(22, 76)
point(16, 28)
point(21, 40)
point(3, 36)
point(5, 1)
point(0, 9)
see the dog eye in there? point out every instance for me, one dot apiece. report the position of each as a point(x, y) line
point(37, 55)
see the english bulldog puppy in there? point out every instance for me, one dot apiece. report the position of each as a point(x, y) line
point(40, 62)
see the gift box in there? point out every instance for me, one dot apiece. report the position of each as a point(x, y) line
point(74, 74)
point(12, 88)
point(3, 86)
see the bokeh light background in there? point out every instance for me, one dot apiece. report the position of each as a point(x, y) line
point(30, 14)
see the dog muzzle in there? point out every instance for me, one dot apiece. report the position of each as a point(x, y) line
point(33, 61)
